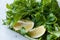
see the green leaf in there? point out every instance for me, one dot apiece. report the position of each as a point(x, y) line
point(56, 33)
point(51, 18)
point(51, 37)
point(54, 5)
point(23, 31)
point(8, 6)
point(45, 2)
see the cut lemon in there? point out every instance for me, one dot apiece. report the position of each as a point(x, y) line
point(28, 25)
point(37, 32)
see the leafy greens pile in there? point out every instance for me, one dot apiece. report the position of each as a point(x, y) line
point(44, 12)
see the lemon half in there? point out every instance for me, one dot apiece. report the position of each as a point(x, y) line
point(28, 25)
point(37, 32)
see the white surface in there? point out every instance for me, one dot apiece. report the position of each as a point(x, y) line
point(5, 33)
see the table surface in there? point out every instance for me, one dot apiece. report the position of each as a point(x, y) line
point(5, 33)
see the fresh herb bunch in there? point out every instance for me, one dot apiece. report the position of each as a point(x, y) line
point(44, 12)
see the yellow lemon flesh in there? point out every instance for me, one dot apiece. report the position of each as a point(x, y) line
point(28, 25)
point(37, 32)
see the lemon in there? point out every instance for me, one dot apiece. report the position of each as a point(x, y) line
point(37, 32)
point(28, 25)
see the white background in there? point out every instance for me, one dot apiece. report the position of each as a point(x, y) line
point(5, 33)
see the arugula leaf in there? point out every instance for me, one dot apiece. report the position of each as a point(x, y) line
point(51, 37)
point(56, 33)
point(22, 31)
point(51, 18)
